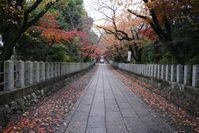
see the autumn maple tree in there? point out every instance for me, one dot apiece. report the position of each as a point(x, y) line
point(162, 19)
point(161, 15)
point(54, 35)
point(16, 17)
point(52, 32)
point(125, 28)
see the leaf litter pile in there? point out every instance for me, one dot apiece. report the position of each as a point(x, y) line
point(178, 118)
point(47, 115)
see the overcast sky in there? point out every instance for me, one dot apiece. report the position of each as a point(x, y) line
point(89, 7)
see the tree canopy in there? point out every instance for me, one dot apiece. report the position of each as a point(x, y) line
point(55, 27)
point(168, 28)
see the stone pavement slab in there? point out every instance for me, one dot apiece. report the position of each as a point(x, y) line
point(109, 107)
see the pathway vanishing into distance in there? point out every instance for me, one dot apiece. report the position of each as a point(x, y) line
point(109, 107)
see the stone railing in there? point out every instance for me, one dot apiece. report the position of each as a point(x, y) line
point(20, 74)
point(181, 74)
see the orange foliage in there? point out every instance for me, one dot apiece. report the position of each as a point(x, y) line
point(53, 33)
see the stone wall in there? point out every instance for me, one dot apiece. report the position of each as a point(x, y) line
point(17, 100)
point(178, 81)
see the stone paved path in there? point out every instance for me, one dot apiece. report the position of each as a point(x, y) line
point(109, 107)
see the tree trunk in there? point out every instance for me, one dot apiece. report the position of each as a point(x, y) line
point(7, 50)
point(136, 54)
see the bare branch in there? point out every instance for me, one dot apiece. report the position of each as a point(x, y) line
point(138, 15)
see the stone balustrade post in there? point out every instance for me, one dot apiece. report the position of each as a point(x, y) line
point(8, 75)
point(159, 72)
point(179, 77)
point(63, 70)
point(148, 70)
point(67, 67)
point(119, 65)
point(137, 68)
point(141, 69)
point(51, 70)
point(128, 67)
point(20, 82)
point(76, 64)
point(72, 67)
point(124, 66)
point(195, 76)
point(152, 69)
point(84, 66)
point(163, 72)
point(168, 72)
point(58, 69)
point(173, 73)
point(81, 66)
point(155, 71)
point(36, 72)
point(187, 75)
point(42, 71)
point(47, 70)
point(151, 73)
point(29, 73)
point(132, 68)
point(77, 67)
point(144, 70)
point(55, 69)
